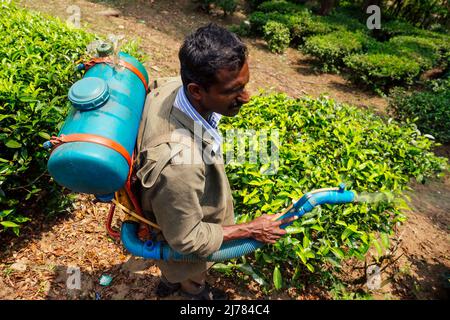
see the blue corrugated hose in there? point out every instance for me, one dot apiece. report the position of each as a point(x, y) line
point(234, 248)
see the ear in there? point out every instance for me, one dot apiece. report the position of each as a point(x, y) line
point(195, 91)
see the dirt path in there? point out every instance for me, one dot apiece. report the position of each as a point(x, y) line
point(35, 266)
point(162, 25)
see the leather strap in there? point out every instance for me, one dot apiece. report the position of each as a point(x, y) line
point(136, 71)
point(122, 63)
point(84, 137)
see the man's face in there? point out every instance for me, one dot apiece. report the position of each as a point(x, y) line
point(227, 95)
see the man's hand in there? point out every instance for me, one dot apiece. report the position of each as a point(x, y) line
point(263, 228)
point(266, 229)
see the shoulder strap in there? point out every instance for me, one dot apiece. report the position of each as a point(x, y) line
point(151, 172)
point(148, 179)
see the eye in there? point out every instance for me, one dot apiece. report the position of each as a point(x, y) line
point(239, 89)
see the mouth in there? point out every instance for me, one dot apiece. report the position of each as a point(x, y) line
point(236, 106)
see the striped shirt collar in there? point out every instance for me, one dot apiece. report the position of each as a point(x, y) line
point(210, 125)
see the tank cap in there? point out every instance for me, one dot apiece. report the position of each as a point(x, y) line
point(89, 93)
point(104, 49)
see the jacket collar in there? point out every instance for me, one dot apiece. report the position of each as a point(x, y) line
point(189, 123)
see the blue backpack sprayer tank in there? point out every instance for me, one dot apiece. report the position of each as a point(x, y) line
point(93, 152)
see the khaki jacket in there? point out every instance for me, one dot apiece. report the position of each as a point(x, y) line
point(185, 191)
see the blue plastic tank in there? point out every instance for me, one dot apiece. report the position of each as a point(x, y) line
point(107, 102)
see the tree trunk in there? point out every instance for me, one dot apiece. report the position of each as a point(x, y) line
point(368, 3)
point(326, 6)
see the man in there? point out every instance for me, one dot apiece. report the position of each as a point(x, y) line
point(191, 201)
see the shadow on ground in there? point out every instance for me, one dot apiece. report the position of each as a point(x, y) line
point(130, 280)
point(418, 284)
point(30, 231)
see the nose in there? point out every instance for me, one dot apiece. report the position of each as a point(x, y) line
point(244, 97)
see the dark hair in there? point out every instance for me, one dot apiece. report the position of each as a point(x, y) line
point(207, 50)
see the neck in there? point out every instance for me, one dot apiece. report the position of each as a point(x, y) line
point(197, 106)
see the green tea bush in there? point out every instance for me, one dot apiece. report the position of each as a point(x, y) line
point(38, 56)
point(300, 21)
point(228, 6)
point(259, 19)
point(345, 22)
point(395, 55)
point(394, 28)
point(322, 143)
point(430, 109)
point(424, 51)
point(382, 71)
point(277, 36)
point(332, 48)
point(305, 25)
point(253, 4)
point(301, 24)
point(243, 29)
point(280, 6)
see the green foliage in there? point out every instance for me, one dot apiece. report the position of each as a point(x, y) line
point(421, 13)
point(322, 143)
point(280, 6)
point(394, 28)
point(305, 25)
point(331, 48)
point(340, 292)
point(342, 21)
point(277, 36)
point(395, 55)
point(423, 51)
point(38, 56)
point(429, 109)
point(228, 6)
point(253, 4)
point(300, 21)
point(243, 29)
point(259, 19)
point(132, 47)
point(382, 71)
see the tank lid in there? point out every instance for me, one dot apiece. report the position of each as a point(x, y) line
point(105, 49)
point(89, 93)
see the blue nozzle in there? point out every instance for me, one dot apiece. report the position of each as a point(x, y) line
point(80, 67)
point(105, 197)
point(317, 197)
point(47, 145)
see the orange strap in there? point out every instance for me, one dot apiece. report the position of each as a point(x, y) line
point(84, 137)
point(122, 63)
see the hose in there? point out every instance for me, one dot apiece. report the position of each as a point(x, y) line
point(233, 248)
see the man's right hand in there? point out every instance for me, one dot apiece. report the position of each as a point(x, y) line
point(264, 228)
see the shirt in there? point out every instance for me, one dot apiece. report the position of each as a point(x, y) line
point(210, 125)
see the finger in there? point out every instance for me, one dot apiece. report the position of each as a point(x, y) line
point(290, 219)
point(276, 216)
point(287, 220)
point(276, 230)
point(279, 232)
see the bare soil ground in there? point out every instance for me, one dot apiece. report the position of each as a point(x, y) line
point(36, 265)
